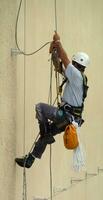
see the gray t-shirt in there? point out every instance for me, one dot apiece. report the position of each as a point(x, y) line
point(73, 91)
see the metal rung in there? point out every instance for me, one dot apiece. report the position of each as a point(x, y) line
point(90, 174)
point(100, 169)
point(76, 180)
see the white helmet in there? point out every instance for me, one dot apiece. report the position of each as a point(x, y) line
point(81, 58)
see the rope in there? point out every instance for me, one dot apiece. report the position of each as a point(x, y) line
point(51, 182)
point(16, 38)
point(56, 73)
point(55, 8)
point(24, 169)
point(24, 184)
point(57, 98)
point(57, 87)
point(50, 87)
point(50, 161)
point(50, 91)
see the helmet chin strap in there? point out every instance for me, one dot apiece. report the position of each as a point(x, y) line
point(81, 68)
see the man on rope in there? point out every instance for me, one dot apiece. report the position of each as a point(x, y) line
point(53, 120)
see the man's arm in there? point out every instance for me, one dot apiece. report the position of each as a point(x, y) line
point(61, 52)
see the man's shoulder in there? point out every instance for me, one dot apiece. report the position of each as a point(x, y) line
point(72, 71)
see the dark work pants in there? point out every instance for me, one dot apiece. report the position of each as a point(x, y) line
point(45, 112)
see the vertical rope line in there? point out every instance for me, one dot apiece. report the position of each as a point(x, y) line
point(57, 83)
point(24, 70)
point(50, 100)
point(50, 87)
point(55, 16)
point(24, 169)
point(55, 8)
point(56, 73)
point(51, 181)
point(24, 184)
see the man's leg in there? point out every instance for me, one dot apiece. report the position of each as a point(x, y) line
point(25, 161)
point(39, 148)
point(57, 123)
point(37, 152)
point(45, 112)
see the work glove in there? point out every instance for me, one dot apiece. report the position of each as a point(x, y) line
point(56, 37)
point(55, 43)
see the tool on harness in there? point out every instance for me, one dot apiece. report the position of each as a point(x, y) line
point(63, 118)
point(66, 114)
point(76, 111)
point(70, 137)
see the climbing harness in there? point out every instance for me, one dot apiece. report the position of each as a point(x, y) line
point(76, 111)
point(64, 108)
point(85, 86)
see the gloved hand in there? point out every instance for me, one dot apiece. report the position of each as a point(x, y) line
point(55, 43)
point(61, 54)
point(56, 37)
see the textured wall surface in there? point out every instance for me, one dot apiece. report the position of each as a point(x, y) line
point(24, 81)
point(7, 100)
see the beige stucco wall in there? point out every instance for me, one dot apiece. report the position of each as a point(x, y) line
point(25, 82)
point(7, 100)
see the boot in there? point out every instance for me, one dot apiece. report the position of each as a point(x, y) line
point(25, 161)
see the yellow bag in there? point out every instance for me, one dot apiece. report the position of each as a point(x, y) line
point(70, 137)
